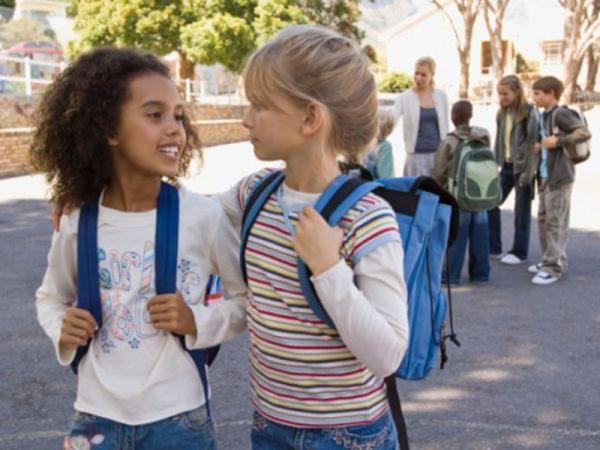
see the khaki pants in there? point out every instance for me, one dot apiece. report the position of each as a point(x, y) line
point(553, 219)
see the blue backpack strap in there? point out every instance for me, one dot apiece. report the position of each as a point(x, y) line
point(258, 197)
point(333, 204)
point(88, 288)
point(167, 238)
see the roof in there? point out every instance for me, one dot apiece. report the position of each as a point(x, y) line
point(415, 19)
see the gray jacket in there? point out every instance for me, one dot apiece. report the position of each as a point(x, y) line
point(523, 137)
point(570, 131)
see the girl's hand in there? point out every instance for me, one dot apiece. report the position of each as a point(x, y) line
point(537, 148)
point(316, 243)
point(169, 312)
point(78, 326)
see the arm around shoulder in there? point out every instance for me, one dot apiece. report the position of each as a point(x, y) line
point(58, 290)
point(222, 320)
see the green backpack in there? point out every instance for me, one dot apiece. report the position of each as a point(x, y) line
point(473, 176)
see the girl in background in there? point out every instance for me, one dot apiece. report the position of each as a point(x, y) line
point(516, 135)
point(380, 161)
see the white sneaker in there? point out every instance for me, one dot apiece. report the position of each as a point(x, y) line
point(511, 259)
point(544, 278)
point(535, 268)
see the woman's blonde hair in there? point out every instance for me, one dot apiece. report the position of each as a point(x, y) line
point(386, 124)
point(428, 62)
point(311, 64)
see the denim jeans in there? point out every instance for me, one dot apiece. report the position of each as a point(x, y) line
point(379, 435)
point(523, 197)
point(473, 228)
point(189, 430)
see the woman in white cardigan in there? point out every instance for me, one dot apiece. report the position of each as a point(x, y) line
point(424, 112)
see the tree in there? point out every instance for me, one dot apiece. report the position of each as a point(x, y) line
point(468, 10)
point(592, 64)
point(16, 31)
point(152, 25)
point(581, 29)
point(222, 38)
point(7, 3)
point(493, 13)
point(202, 31)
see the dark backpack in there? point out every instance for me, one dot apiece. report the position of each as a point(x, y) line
point(88, 285)
point(426, 216)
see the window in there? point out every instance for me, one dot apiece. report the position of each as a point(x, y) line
point(552, 52)
point(486, 55)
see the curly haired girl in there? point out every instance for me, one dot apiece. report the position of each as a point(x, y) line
point(109, 129)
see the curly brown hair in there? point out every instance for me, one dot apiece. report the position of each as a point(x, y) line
point(80, 111)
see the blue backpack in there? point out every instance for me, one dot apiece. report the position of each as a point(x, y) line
point(88, 285)
point(427, 215)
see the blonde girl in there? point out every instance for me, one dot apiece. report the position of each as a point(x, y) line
point(424, 112)
point(312, 100)
point(380, 161)
point(516, 134)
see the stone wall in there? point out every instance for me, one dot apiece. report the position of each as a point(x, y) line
point(216, 125)
point(14, 147)
point(14, 144)
point(16, 111)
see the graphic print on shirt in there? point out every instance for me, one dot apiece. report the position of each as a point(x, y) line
point(124, 311)
point(189, 279)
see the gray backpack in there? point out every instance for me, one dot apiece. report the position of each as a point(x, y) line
point(577, 153)
point(473, 177)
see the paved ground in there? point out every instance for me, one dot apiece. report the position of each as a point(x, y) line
point(526, 376)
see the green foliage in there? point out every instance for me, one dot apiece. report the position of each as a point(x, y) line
point(222, 38)
point(7, 3)
point(395, 82)
point(274, 15)
point(148, 24)
point(526, 66)
point(16, 31)
point(205, 31)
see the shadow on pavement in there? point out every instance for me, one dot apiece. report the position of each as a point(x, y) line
point(526, 375)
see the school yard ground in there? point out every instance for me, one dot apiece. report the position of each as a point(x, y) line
point(526, 376)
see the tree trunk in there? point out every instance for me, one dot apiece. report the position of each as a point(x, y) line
point(186, 67)
point(497, 60)
point(570, 62)
point(592, 72)
point(465, 58)
point(463, 89)
point(572, 68)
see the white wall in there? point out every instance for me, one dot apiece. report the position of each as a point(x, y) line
point(433, 37)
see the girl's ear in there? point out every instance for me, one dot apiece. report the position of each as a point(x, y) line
point(314, 118)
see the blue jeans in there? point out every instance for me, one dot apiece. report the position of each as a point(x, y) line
point(189, 430)
point(523, 197)
point(379, 435)
point(473, 228)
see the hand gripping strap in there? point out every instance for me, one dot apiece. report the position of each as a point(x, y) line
point(341, 195)
point(88, 287)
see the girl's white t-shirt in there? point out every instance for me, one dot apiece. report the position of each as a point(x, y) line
point(133, 373)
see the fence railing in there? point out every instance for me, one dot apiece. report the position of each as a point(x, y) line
point(29, 76)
